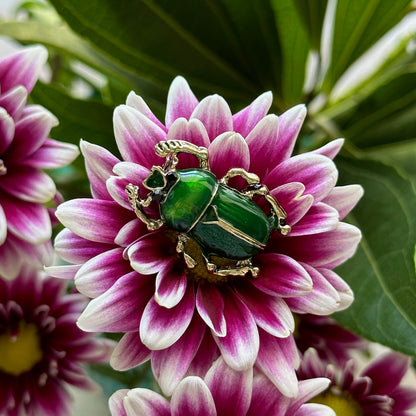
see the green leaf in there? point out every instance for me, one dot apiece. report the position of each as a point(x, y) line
point(357, 26)
point(382, 273)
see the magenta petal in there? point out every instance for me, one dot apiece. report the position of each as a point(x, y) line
point(22, 68)
point(318, 173)
point(52, 155)
point(14, 101)
point(308, 389)
point(281, 275)
point(344, 198)
point(241, 344)
point(344, 291)
point(6, 130)
point(161, 327)
point(215, 114)
point(136, 136)
point(129, 352)
point(192, 398)
point(66, 272)
point(192, 131)
point(28, 184)
point(98, 274)
point(230, 389)
point(181, 101)
point(331, 149)
point(313, 409)
point(245, 120)
point(170, 365)
point(99, 164)
point(210, 306)
point(271, 313)
point(275, 362)
point(130, 232)
point(171, 285)
point(93, 219)
point(117, 310)
point(115, 403)
point(3, 226)
point(145, 402)
point(10, 260)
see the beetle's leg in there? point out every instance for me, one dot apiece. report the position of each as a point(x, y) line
point(250, 178)
point(137, 204)
point(180, 249)
point(171, 148)
point(241, 268)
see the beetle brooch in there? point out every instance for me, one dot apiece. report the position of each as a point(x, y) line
point(224, 221)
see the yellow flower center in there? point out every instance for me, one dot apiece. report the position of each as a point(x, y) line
point(20, 351)
point(339, 402)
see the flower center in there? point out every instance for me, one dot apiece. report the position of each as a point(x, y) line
point(20, 351)
point(339, 402)
point(3, 169)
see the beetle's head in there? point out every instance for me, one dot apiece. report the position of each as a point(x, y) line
point(160, 182)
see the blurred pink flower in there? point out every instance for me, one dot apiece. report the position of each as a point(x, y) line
point(222, 392)
point(41, 347)
point(142, 287)
point(25, 149)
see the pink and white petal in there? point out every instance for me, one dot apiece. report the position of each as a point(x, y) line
point(331, 149)
point(192, 398)
point(66, 272)
point(93, 219)
point(241, 344)
point(74, 249)
point(145, 402)
point(137, 102)
point(136, 136)
point(14, 101)
point(28, 184)
point(245, 120)
point(98, 274)
point(314, 409)
point(292, 198)
point(170, 365)
point(115, 403)
point(274, 362)
point(150, 252)
point(27, 220)
point(262, 142)
point(171, 283)
point(31, 131)
point(308, 389)
point(281, 275)
point(6, 130)
point(228, 150)
point(326, 250)
point(11, 260)
point(161, 327)
point(22, 68)
point(322, 300)
point(130, 232)
point(320, 218)
point(118, 309)
point(271, 313)
point(129, 352)
point(344, 291)
point(215, 114)
point(344, 198)
point(181, 101)
point(210, 306)
point(230, 389)
point(132, 171)
point(52, 155)
point(99, 163)
point(3, 226)
point(318, 173)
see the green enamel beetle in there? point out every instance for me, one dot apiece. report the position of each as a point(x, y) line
point(224, 221)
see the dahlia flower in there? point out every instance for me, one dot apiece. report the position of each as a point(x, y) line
point(375, 391)
point(41, 347)
point(25, 149)
point(168, 303)
point(222, 392)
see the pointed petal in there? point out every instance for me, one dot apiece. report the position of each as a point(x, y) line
point(245, 120)
point(331, 149)
point(308, 389)
point(161, 327)
point(115, 403)
point(181, 101)
point(344, 198)
point(22, 67)
point(129, 352)
point(281, 275)
point(230, 389)
point(241, 344)
point(53, 154)
point(215, 114)
point(210, 306)
point(344, 291)
point(14, 101)
point(93, 219)
point(66, 272)
point(6, 130)
point(130, 232)
point(99, 164)
point(263, 140)
point(3, 226)
point(170, 365)
point(192, 398)
point(117, 310)
point(145, 402)
point(313, 409)
point(10, 260)
point(136, 136)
